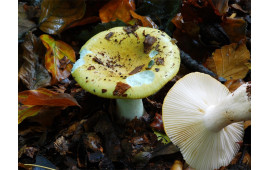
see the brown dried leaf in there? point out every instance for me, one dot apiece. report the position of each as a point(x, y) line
point(116, 9)
point(23, 22)
point(58, 14)
point(157, 124)
point(32, 73)
point(221, 6)
point(136, 70)
point(235, 29)
point(230, 62)
point(120, 89)
point(232, 85)
point(145, 20)
point(148, 43)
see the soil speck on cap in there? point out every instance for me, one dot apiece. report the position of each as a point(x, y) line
point(108, 36)
point(97, 60)
point(136, 70)
point(148, 42)
point(91, 68)
point(159, 61)
point(104, 90)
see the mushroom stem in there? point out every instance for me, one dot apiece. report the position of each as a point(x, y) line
point(129, 108)
point(235, 107)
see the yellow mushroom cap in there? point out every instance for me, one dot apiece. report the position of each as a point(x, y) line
point(183, 113)
point(116, 63)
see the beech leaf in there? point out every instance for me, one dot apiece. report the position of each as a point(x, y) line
point(56, 15)
point(230, 62)
point(235, 28)
point(58, 58)
point(32, 73)
point(117, 9)
point(24, 23)
point(31, 102)
point(46, 97)
point(145, 20)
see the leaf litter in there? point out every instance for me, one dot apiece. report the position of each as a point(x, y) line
point(60, 134)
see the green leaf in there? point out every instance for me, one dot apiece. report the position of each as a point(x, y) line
point(161, 12)
point(161, 136)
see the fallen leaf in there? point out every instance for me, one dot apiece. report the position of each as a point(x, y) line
point(162, 137)
point(58, 14)
point(232, 85)
point(23, 22)
point(56, 51)
point(32, 73)
point(46, 97)
point(116, 9)
point(221, 6)
point(32, 102)
point(120, 89)
point(157, 123)
point(27, 111)
point(235, 28)
point(230, 62)
point(145, 20)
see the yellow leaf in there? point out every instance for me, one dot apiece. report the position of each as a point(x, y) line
point(58, 58)
point(230, 62)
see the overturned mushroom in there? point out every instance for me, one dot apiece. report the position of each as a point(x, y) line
point(120, 66)
point(204, 119)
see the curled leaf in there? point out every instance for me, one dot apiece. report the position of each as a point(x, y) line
point(145, 20)
point(117, 9)
point(58, 58)
point(56, 15)
point(230, 62)
point(46, 97)
point(23, 22)
point(32, 73)
point(235, 28)
point(32, 102)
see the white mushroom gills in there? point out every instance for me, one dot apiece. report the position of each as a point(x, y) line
point(205, 120)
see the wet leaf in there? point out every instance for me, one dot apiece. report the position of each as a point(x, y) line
point(157, 123)
point(58, 58)
point(161, 12)
point(235, 29)
point(221, 6)
point(230, 62)
point(145, 20)
point(162, 137)
point(23, 22)
point(27, 111)
point(32, 73)
point(58, 14)
point(32, 102)
point(116, 9)
point(46, 97)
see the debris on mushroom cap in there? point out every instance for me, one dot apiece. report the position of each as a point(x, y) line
point(118, 55)
point(183, 110)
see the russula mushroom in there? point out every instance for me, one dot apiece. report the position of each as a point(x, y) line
point(205, 120)
point(128, 64)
